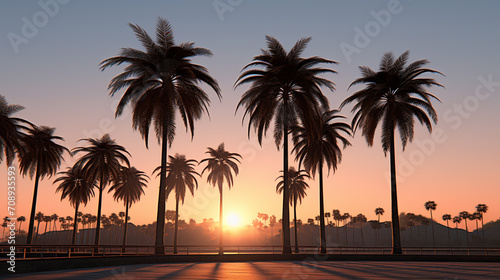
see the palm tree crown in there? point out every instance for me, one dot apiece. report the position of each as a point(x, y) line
point(129, 186)
point(10, 130)
point(297, 186)
point(180, 175)
point(221, 164)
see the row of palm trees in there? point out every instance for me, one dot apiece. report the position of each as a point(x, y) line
point(285, 89)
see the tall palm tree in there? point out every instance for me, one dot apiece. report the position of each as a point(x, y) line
point(180, 176)
point(74, 185)
point(457, 220)
point(21, 219)
point(319, 144)
point(285, 88)
point(379, 212)
point(221, 164)
point(297, 191)
point(447, 218)
point(394, 96)
point(158, 81)
point(482, 208)
point(475, 217)
point(128, 188)
point(431, 206)
point(10, 130)
point(101, 161)
point(40, 158)
point(62, 220)
point(465, 216)
point(39, 218)
point(54, 218)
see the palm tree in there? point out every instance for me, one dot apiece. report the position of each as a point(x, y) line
point(62, 220)
point(337, 217)
point(286, 90)
point(474, 217)
point(447, 218)
point(101, 161)
point(128, 188)
point(4, 225)
point(39, 218)
point(297, 191)
point(431, 206)
point(74, 185)
point(21, 219)
point(482, 208)
point(457, 220)
point(158, 81)
point(272, 222)
point(395, 96)
point(54, 218)
point(40, 157)
point(361, 219)
point(10, 130)
point(180, 175)
point(465, 216)
point(221, 164)
point(320, 144)
point(379, 212)
point(411, 223)
point(346, 216)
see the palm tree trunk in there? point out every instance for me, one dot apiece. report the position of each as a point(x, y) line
point(482, 225)
point(362, 236)
point(295, 226)
point(378, 230)
point(432, 226)
point(466, 232)
point(221, 231)
point(160, 216)
point(477, 229)
point(345, 229)
point(337, 224)
point(75, 226)
point(449, 238)
point(396, 235)
point(125, 226)
point(99, 208)
point(33, 208)
point(285, 228)
point(322, 211)
point(176, 220)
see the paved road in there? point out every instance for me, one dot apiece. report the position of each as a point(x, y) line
point(281, 270)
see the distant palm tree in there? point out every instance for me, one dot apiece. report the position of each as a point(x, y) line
point(447, 218)
point(457, 220)
point(337, 217)
point(272, 222)
point(4, 226)
point(40, 157)
point(10, 130)
point(221, 164)
point(286, 90)
point(62, 220)
point(379, 212)
point(474, 217)
point(159, 81)
point(128, 188)
point(345, 216)
point(431, 206)
point(411, 223)
point(74, 185)
point(297, 191)
point(465, 216)
point(395, 96)
point(361, 219)
point(482, 208)
point(101, 162)
point(39, 218)
point(21, 219)
point(321, 144)
point(54, 218)
point(180, 176)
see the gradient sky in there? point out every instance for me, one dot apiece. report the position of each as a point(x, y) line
point(54, 74)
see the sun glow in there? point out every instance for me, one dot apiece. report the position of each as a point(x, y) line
point(233, 220)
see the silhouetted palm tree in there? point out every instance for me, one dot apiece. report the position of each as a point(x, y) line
point(128, 188)
point(337, 217)
point(447, 218)
point(297, 191)
point(62, 220)
point(465, 216)
point(40, 157)
point(221, 164)
point(411, 223)
point(379, 212)
point(54, 218)
point(180, 176)
point(457, 220)
point(74, 185)
point(318, 144)
point(431, 206)
point(395, 96)
point(101, 161)
point(474, 217)
point(159, 81)
point(10, 130)
point(39, 218)
point(482, 208)
point(346, 216)
point(21, 219)
point(285, 88)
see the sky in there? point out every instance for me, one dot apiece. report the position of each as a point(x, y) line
point(50, 53)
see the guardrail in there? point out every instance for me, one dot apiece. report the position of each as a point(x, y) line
point(65, 251)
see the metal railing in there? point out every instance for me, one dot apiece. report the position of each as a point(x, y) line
point(65, 251)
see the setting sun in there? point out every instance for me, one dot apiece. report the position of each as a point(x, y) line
point(232, 220)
